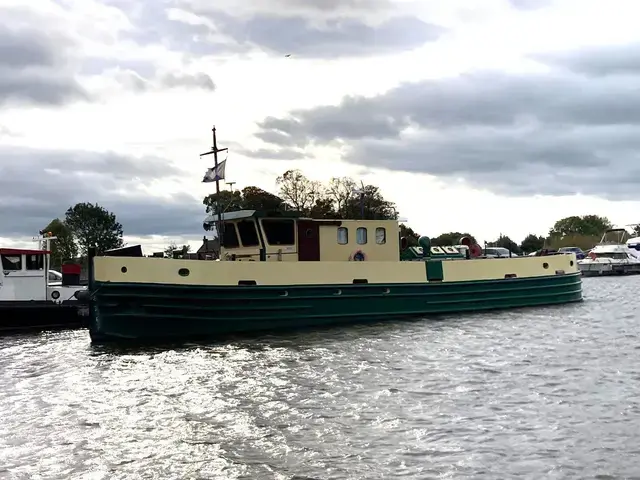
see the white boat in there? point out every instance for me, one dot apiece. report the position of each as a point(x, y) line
point(612, 256)
point(28, 298)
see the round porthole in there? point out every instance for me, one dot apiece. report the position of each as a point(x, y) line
point(183, 272)
point(123, 269)
point(309, 233)
point(55, 294)
point(571, 263)
point(545, 265)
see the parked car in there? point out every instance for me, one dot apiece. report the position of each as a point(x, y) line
point(577, 250)
point(498, 252)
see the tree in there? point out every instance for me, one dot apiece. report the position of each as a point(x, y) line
point(375, 206)
point(173, 251)
point(504, 241)
point(309, 197)
point(532, 243)
point(299, 191)
point(585, 225)
point(226, 200)
point(93, 225)
point(340, 190)
point(63, 248)
point(451, 238)
point(411, 236)
point(636, 230)
point(254, 198)
point(323, 208)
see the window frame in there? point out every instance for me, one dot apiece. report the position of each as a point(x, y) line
point(346, 235)
point(366, 235)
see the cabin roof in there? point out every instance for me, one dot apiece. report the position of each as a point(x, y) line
point(22, 251)
point(242, 214)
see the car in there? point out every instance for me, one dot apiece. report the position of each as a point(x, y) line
point(498, 252)
point(55, 278)
point(577, 250)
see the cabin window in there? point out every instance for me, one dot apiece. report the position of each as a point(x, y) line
point(12, 262)
point(343, 235)
point(230, 236)
point(35, 262)
point(279, 232)
point(361, 236)
point(248, 233)
point(381, 235)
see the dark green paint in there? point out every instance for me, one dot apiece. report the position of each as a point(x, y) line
point(172, 312)
point(434, 270)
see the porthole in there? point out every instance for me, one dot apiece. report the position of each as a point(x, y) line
point(123, 269)
point(55, 294)
point(309, 233)
point(545, 265)
point(183, 272)
point(571, 263)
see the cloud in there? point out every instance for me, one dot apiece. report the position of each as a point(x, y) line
point(529, 4)
point(551, 133)
point(324, 30)
point(47, 59)
point(39, 185)
point(33, 63)
point(334, 38)
point(597, 61)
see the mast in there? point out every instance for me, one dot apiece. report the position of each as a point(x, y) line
point(215, 150)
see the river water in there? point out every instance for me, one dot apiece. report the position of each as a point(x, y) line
point(540, 393)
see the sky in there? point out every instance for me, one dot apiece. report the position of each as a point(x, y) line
point(487, 116)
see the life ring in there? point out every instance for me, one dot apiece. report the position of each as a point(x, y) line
point(358, 256)
point(475, 250)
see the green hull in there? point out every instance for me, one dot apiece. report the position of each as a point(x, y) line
point(143, 312)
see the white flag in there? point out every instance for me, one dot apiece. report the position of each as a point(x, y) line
point(214, 174)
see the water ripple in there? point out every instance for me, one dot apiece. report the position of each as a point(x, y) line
point(542, 393)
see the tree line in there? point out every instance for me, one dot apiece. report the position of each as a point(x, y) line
point(88, 224)
point(340, 198)
point(343, 198)
point(83, 225)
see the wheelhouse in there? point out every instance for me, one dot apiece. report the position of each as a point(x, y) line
point(251, 235)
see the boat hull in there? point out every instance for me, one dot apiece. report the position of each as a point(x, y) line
point(21, 316)
point(608, 269)
point(154, 311)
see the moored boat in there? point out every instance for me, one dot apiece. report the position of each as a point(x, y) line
point(28, 301)
point(279, 270)
point(612, 256)
point(284, 272)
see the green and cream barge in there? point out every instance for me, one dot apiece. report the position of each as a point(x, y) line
point(283, 271)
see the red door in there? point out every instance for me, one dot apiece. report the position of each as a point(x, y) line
point(308, 241)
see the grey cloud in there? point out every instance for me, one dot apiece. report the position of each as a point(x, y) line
point(33, 68)
point(39, 185)
point(197, 80)
point(333, 38)
point(514, 134)
point(479, 99)
point(306, 29)
point(596, 60)
point(132, 80)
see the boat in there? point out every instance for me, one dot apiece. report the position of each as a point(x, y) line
point(281, 270)
point(28, 300)
point(611, 256)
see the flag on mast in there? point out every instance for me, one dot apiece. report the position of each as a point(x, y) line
point(215, 173)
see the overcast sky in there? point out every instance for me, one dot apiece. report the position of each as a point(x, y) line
point(491, 116)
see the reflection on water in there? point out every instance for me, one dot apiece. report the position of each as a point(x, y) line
point(540, 393)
